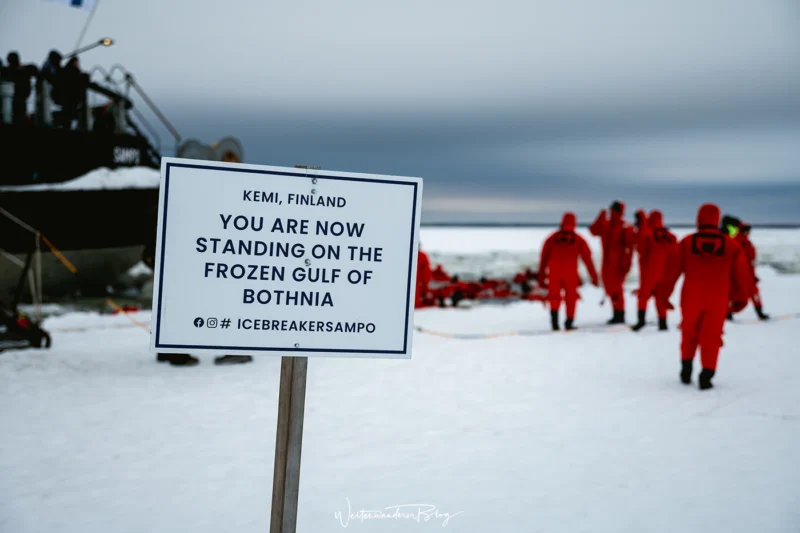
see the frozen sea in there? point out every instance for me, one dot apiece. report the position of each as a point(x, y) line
point(582, 432)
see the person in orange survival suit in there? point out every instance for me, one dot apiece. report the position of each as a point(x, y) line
point(750, 253)
point(654, 251)
point(521, 278)
point(423, 278)
point(524, 280)
point(495, 288)
point(558, 268)
point(440, 280)
point(617, 238)
point(714, 266)
point(439, 275)
point(641, 232)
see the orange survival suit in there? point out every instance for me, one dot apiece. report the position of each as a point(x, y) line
point(439, 274)
point(559, 267)
point(750, 253)
point(641, 233)
point(714, 267)
point(423, 279)
point(654, 249)
point(617, 238)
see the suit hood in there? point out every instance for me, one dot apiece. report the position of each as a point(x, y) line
point(640, 218)
point(568, 222)
point(617, 210)
point(656, 219)
point(708, 216)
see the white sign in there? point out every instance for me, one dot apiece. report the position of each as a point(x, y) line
point(284, 261)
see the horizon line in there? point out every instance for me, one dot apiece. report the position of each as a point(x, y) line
point(784, 225)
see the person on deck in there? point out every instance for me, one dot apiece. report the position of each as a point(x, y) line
point(558, 269)
point(20, 75)
point(714, 266)
point(750, 253)
point(73, 85)
point(51, 73)
point(617, 238)
point(654, 251)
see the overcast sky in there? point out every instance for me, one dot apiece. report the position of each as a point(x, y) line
point(511, 110)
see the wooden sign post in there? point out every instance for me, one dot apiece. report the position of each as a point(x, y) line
point(288, 444)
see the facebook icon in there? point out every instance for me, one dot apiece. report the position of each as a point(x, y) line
point(198, 322)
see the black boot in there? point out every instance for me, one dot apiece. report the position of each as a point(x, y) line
point(178, 359)
point(554, 320)
point(640, 324)
point(569, 324)
point(233, 359)
point(457, 297)
point(705, 379)
point(760, 313)
point(662, 324)
point(686, 372)
point(618, 318)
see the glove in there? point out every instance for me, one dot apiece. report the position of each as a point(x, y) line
point(738, 306)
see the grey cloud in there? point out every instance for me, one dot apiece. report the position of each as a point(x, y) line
point(510, 110)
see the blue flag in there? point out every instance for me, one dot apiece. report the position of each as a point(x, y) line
point(80, 4)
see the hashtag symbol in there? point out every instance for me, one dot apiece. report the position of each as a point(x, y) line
point(225, 323)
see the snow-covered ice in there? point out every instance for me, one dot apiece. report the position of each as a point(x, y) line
point(504, 251)
point(583, 432)
point(101, 178)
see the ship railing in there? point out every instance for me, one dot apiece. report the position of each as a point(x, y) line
point(131, 83)
point(118, 112)
point(44, 115)
point(119, 103)
point(6, 100)
point(124, 119)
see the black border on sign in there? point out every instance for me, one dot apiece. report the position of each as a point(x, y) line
point(277, 349)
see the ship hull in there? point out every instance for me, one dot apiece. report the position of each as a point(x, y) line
point(97, 270)
point(101, 232)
